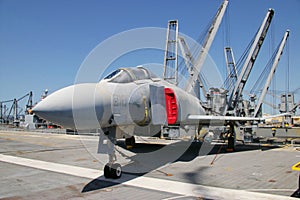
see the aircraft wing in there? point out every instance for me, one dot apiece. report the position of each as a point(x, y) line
point(219, 119)
point(279, 115)
point(223, 118)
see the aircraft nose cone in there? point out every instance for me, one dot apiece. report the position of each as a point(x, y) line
point(73, 107)
point(57, 107)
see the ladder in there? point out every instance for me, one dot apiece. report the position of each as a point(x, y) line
point(170, 73)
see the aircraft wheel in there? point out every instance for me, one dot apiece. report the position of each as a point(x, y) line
point(116, 171)
point(113, 171)
point(107, 171)
point(130, 142)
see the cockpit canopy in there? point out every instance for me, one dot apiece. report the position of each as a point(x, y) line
point(127, 75)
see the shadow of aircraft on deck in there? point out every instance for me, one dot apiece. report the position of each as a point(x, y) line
point(146, 159)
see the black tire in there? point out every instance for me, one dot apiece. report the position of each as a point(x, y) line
point(116, 171)
point(130, 142)
point(107, 171)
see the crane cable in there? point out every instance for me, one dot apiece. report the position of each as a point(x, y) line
point(240, 61)
point(260, 81)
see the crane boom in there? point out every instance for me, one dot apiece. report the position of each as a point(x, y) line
point(189, 62)
point(231, 68)
point(273, 69)
point(249, 62)
point(206, 46)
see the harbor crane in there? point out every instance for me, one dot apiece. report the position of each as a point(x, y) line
point(236, 93)
point(271, 74)
point(189, 63)
point(3, 110)
point(194, 66)
point(206, 46)
point(232, 73)
point(14, 108)
point(170, 72)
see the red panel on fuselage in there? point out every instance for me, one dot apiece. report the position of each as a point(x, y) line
point(171, 106)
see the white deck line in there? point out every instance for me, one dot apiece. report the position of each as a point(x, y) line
point(180, 188)
point(53, 167)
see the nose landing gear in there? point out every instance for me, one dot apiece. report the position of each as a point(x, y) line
point(107, 145)
point(113, 171)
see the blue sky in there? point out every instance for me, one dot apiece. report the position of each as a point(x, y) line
point(43, 43)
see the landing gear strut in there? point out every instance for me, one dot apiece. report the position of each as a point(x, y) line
point(231, 138)
point(112, 169)
point(107, 145)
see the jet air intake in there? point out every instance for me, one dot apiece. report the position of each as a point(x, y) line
point(171, 106)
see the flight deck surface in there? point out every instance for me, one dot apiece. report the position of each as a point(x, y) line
point(58, 166)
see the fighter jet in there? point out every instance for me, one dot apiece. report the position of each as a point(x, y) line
point(126, 103)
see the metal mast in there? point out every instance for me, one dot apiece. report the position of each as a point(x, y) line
point(1, 112)
point(171, 53)
point(231, 68)
point(206, 46)
point(16, 118)
point(249, 62)
point(189, 62)
point(272, 72)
